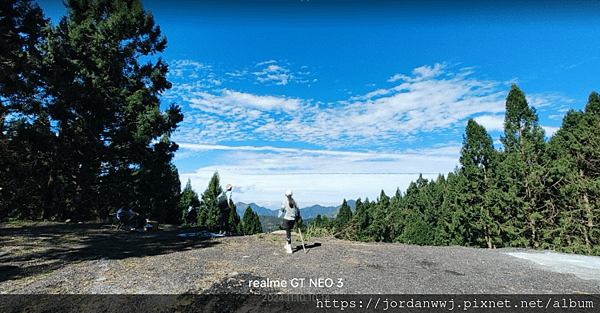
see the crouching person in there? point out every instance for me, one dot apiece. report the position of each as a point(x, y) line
point(289, 207)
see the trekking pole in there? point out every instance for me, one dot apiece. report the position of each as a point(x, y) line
point(302, 240)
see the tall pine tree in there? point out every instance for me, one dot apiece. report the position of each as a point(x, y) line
point(478, 159)
point(189, 202)
point(251, 223)
point(521, 174)
point(575, 181)
point(344, 216)
point(209, 213)
point(25, 135)
point(106, 141)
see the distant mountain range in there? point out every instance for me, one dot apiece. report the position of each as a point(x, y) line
point(307, 213)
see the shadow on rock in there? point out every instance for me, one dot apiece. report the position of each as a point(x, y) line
point(38, 249)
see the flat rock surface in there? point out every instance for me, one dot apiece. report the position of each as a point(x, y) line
point(58, 258)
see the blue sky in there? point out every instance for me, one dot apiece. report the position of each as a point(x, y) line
point(343, 99)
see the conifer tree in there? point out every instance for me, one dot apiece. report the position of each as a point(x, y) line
point(379, 228)
point(478, 159)
point(420, 214)
point(188, 200)
point(451, 217)
point(397, 216)
point(251, 223)
point(209, 212)
point(25, 135)
point(235, 222)
point(575, 192)
point(344, 215)
point(96, 108)
point(317, 222)
point(361, 220)
point(520, 174)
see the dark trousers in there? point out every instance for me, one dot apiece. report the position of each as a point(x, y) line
point(288, 225)
point(224, 221)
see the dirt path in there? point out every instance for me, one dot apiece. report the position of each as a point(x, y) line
point(56, 258)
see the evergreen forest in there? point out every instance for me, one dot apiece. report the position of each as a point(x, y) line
point(84, 132)
point(529, 193)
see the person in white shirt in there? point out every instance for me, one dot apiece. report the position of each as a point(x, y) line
point(289, 206)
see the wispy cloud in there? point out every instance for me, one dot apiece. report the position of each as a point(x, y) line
point(491, 122)
point(266, 62)
point(360, 143)
point(547, 100)
point(229, 100)
point(421, 73)
point(433, 100)
point(274, 73)
point(237, 73)
point(186, 68)
point(264, 173)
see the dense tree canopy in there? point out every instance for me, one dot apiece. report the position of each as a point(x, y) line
point(83, 133)
point(82, 128)
point(533, 193)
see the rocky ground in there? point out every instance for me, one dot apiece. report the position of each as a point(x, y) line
point(58, 258)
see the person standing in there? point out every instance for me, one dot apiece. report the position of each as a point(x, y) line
point(224, 203)
point(290, 207)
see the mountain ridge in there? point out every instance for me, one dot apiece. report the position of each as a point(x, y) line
point(306, 212)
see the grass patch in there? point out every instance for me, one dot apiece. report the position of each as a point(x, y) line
point(273, 238)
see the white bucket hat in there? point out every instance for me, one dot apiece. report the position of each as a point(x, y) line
point(289, 193)
point(228, 187)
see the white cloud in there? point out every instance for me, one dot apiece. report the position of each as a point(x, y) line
point(397, 77)
point(237, 73)
point(421, 73)
point(550, 130)
point(186, 68)
point(491, 122)
point(425, 72)
point(547, 100)
point(557, 117)
point(229, 100)
point(317, 176)
point(432, 101)
point(274, 73)
point(429, 102)
point(266, 62)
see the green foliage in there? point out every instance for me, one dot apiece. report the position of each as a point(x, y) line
point(235, 222)
point(209, 213)
point(344, 216)
point(25, 134)
point(574, 182)
point(417, 230)
point(475, 220)
point(188, 199)
point(251, 223)
point(299, 225)
point(86, 133)
point(314, 230)
point(537, 194)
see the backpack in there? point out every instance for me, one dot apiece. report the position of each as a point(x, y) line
point(222, 202)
